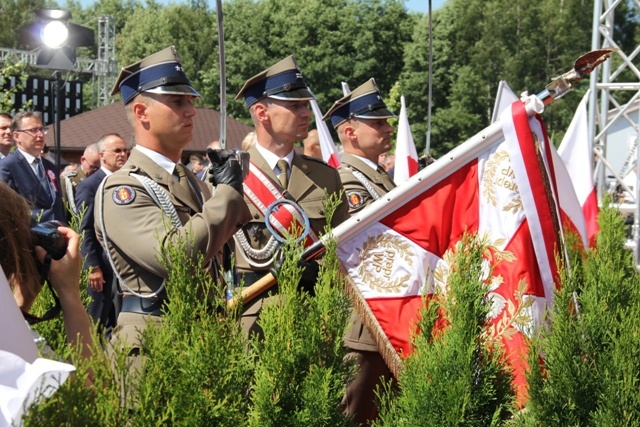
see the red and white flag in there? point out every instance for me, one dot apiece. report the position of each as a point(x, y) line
point(406, 163)
point(573, 216)
point(329, 150)
point(577, 155)
point(493, 185)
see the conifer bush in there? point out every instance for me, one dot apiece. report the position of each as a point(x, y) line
point(300, 375)
point(454, 375)
point(201, 370)
point(590, 374)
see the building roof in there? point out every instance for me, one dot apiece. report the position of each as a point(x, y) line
point(79, 131)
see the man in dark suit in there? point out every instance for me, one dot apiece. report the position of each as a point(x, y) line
point(28, 173)
point(113, 155)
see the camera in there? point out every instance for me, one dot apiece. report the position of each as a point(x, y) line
point(46, 235)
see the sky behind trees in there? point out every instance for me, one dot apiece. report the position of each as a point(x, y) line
point(412, 5)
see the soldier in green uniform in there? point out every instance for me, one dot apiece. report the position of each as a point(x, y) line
point(278, 100)
point(89, 163)
point(360, 119)
point(134, 202)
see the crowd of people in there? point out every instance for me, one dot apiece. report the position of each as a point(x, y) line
point(118, 191)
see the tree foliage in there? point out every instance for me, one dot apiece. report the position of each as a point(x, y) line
point(476, 43)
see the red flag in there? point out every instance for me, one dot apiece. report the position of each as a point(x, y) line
point(499, 192)
point(577, 155)
point(406, 163)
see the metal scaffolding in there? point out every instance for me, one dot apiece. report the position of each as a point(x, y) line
point(103, 69)
point(605, 111)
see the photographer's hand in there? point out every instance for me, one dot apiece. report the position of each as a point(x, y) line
point(64, 276)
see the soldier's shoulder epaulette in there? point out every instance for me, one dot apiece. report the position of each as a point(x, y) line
point(131, 168)
point(69, 174)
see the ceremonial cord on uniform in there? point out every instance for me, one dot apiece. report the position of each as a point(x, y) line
point(260, 254)
point(367, 184)
point(70, 196)
point(160, 197)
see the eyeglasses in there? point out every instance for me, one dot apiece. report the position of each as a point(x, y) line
point(34, 131)
point(118, 151)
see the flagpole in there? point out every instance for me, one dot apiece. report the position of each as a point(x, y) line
point(223, 77)
point(427, 148)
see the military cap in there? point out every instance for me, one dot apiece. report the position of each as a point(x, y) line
point(281, 81)
point(364, 102)
point(160, 72)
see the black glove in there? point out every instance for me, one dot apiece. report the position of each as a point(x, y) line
point(225, 169)
point(425, 161)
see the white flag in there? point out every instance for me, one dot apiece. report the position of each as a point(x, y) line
point(406, 164)
point(577, 155)
point(329, 150)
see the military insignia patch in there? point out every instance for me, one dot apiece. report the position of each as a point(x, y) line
point(123, 195)
point(355, 199)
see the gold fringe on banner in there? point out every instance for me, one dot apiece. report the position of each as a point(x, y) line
point(362, 309)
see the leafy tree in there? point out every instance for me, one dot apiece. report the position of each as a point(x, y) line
point(18, 73)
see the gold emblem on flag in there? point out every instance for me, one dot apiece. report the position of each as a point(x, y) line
point(379, 256)
point(498, 173)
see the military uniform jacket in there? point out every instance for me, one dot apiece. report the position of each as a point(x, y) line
point(358, 196)
point(137, 229)
point(308, 179)
point(358, 336)
point(69, 184)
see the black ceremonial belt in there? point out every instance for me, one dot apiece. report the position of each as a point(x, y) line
point(134, 304)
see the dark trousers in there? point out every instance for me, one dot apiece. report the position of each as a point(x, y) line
point(102, 307)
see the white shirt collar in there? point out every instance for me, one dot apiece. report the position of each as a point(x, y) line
point(105, 170)
point(271, 158)
point(27, 156)
point(162, 161)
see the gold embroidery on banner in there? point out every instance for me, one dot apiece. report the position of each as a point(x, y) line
point(378, 256)
point(506, 316)
point(499, 173)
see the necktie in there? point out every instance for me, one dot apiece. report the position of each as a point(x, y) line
point(181, 171)
point(44, 182)
point(283, 177)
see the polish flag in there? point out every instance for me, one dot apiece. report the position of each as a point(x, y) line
point(577, 155)
point(329, 150)
point(492, 185)
point(406, 164)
